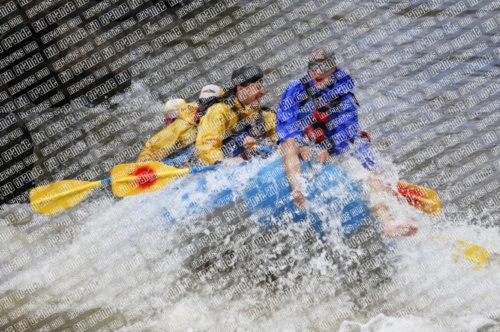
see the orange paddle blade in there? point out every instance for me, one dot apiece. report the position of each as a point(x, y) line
point(62, 195)
point(133, 179)
point(424, 199)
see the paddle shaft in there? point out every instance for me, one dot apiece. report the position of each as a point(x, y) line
point(191, 170)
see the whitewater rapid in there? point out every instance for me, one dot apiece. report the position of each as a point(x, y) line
point(136, 264)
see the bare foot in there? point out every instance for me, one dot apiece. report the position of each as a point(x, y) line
point(299, 198)
point(404, 229)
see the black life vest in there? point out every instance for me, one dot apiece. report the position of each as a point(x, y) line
point(202, 108)
point(255, 129)
point(254, 125)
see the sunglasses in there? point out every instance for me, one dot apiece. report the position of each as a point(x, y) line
point(324, 66)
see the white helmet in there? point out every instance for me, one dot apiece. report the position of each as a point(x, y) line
point(173, 106)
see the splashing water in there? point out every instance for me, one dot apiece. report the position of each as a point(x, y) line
point(164, 261)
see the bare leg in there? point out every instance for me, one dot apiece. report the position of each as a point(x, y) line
point(290, 151)
point(404, 229)
point(382, 212)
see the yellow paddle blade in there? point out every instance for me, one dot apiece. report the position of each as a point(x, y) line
point(473, 252)
point(424, 199)
point(62, 195)
point(133, 179)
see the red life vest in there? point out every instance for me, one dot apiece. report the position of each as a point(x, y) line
point(317, 129)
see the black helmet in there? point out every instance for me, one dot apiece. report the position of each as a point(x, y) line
point(319, 54)
point(246, 74)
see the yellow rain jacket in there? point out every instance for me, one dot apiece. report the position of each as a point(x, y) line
point(219, 122)
point(176, 136)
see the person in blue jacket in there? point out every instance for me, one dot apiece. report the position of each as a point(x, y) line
point(319, 111)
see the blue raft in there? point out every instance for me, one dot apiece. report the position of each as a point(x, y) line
point(334, 202)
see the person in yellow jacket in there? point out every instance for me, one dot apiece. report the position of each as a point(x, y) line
point(230, 129)
point(179, 136)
